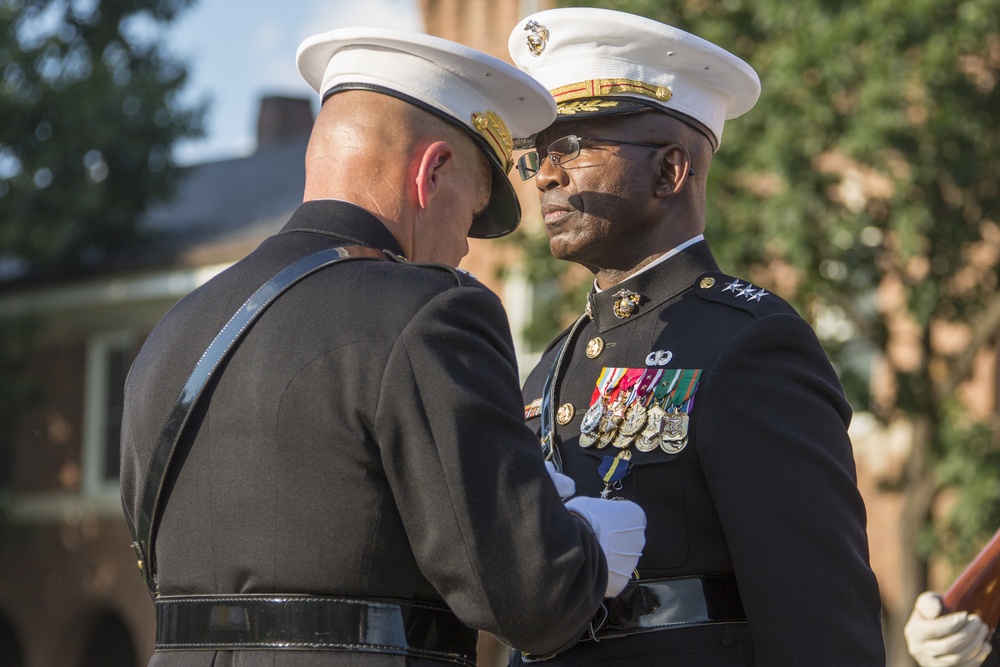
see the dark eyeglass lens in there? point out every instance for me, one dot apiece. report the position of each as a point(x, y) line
point(564, 149)
point(527, 165)
point(558, 152)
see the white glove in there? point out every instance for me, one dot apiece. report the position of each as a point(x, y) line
point(565, 486)
point(953, 640)
point(620, 527)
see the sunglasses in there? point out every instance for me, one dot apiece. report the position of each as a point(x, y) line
point(562, 151)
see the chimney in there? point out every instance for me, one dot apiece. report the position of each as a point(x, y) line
point(282, 118)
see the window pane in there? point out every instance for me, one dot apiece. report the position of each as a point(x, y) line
point(119, 359)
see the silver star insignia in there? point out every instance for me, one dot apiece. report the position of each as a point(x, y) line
point(759, 295)
point(733, 286)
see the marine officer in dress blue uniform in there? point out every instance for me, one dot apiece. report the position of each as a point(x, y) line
point(348, 479)
point(699, 395)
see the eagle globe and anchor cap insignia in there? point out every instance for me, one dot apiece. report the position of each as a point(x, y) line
point(626, 303)
point(538, 37)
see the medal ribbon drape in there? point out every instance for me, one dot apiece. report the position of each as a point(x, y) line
point(683, 391)
point(607, 382)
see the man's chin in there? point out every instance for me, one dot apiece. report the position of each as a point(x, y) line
point(562, 249)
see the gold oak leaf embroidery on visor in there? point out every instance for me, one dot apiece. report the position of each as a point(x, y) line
point(495, 131)
point(595, 88)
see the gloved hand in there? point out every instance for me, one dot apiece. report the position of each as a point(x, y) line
point(564, 485)
point(959, 639)
point(620, 526)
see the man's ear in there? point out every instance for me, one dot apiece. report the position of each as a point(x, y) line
point(435, 163)
point(675, 167)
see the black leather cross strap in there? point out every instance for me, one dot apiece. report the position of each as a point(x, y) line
point(660, 604)
point(246, 622)
point(548, 423)
point(173, 427)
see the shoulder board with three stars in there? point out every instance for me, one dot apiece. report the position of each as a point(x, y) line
point(739, 293)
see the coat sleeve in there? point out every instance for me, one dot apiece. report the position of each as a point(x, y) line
point(780, 468)
point(481, 514)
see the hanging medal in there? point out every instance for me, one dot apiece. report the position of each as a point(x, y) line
point(593, 418)
point(674, 429)
point(624, 407)
point(649, 438)
point(635, 413)
point(613, 469)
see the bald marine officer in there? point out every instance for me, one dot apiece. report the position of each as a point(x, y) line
point(323, 457)
point(699, 395)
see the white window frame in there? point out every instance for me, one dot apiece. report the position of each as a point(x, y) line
point(95, 413)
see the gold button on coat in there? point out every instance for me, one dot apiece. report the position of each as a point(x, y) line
point(565, 413)
point(707, 283)
point(595, 347)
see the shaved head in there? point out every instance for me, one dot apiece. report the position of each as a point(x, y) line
point(423, 177)
point(361, 141)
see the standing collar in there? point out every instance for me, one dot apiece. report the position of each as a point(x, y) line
point(342, 220)
point(661, 259)
point(654, 285)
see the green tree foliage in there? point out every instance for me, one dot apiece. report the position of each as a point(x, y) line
point(88, 99)
point(88, 115)
point(865, 187)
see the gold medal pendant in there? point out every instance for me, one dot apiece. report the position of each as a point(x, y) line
point(635, 419)
point(647, 443)
point(673, 434)
point(606, 437)
point(623, 440)
point(649, 439)
point(588, 439)
point(672, 447)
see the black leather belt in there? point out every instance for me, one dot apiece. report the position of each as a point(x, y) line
point(651, 605)
point(310, 623)
point(660, 604)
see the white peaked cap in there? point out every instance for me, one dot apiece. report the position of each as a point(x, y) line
point(599, 61)
point(488, 98)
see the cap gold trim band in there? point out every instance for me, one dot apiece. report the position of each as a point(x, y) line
point(583, 106)
point(494, 130)
point(605, 87)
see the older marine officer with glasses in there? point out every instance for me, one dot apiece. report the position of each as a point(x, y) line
point(699, 395)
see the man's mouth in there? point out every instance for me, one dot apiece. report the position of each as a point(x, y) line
point(553, 214)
